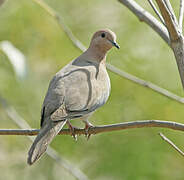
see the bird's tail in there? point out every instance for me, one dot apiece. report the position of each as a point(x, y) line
point(43, 139)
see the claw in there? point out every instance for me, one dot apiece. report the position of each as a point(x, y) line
point(72, 130)
point(87, 128)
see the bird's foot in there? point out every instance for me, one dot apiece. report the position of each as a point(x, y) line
point(87, 128)
point(72, 130)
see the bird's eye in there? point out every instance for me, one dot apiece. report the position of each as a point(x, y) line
point(103, 35)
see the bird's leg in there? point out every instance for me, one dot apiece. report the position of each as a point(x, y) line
point(72, 130)
point(88, 125)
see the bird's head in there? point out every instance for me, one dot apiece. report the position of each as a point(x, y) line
point(104, 40)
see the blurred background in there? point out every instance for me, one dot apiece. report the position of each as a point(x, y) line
point(138, 154)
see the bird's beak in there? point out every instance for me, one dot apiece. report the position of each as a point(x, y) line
point(115, 44)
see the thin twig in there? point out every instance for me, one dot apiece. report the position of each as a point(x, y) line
point(170, 9)
point(181, 15)
point(176, 39)
point(102, 129)
point(146, 17)
point(147, 84)
point(156, 11)
point(14, 116)
point(169, 18)
point(112, 68)
point(61, 23)
point(171, 143)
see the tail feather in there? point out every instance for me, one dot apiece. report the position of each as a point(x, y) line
point(43, 139)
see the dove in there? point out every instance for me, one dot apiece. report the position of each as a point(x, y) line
point(76, 91)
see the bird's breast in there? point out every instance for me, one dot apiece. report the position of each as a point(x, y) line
point(101, 88)
point(87, 88)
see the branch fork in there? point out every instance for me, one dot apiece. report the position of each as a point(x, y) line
point(169, 29)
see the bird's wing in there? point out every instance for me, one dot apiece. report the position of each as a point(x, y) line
point(69, 93)
point(54, 98)
point(75, 91)
point(82, 88)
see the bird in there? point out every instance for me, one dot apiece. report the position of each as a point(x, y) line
point(76, 91)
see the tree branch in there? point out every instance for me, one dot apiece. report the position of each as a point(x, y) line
point(15, 117)
point(175, 38)
point(168, 4)
point(156, 11)
point(146, 17)
point(112, 68)
point(169, 18)
point(147, 84)
point(181, 15)
point(171, 143)
point(61, 23)
point(104, 128)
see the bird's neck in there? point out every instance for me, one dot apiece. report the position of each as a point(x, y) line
point(96, 54)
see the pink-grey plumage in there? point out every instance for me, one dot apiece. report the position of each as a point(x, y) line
point(76, 91)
